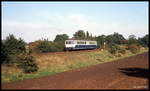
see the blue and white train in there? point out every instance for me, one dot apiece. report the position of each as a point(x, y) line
point(73, 44)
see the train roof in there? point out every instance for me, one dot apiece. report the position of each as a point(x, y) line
point(81, 39)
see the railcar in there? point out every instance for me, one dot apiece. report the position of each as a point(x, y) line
point(73, 44)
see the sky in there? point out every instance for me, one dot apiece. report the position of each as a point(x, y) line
point(32, 21)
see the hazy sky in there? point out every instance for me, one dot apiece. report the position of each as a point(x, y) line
point(35, 20)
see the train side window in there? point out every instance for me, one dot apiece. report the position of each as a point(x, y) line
point(81, 42)
point(72, 42)
point(92, 42)
point(69, 42)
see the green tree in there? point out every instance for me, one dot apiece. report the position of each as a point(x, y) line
point(87, 35)
point(109, 39)
point(144, 40)
point(132, 40)
point(79, 34)
point(100, 41)
point(27, 63)
point(133, 48)
point(12, 46)
point(61, 38)
point(132, 36)
point(113, 48)
point(4, 54)
point(133, 44)
point(118, 38)
point(115, 38)
point(91, 37)
point(58, 46)
point(44, 46)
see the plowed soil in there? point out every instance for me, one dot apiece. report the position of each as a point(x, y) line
point(128, 73)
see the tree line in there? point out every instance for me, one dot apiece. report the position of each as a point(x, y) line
point(18, 51)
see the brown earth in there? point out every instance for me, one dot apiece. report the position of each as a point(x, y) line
point(128, 73)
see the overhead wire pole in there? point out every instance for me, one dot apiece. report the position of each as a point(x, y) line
point(104, 45)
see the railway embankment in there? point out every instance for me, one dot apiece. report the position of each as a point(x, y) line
point(52, 63)
point(125, 74)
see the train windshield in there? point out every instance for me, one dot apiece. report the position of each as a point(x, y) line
point(69, 42)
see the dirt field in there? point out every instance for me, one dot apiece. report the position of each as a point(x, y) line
point(128, 73)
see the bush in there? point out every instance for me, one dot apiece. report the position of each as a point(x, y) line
point(122, 51)
point(53, 48)
point(11, 46)
point(23, 61)
point(144, 41)
point(113, 48)
point(133, 48)
point(27, 63)
point(46, 46)
point(33, 47)
point(59, 46)
point(4, 54)
point(118, 55)
point(13, 59)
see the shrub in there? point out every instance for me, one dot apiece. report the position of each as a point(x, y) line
point(44, 46)
point(122, 51)
point(144, 41)
point(33, 47)
point(27, 63)
point(118, 55)
point(113, 48)
point(61, 38)
point(14, 60)
point(59, 46)
point(53, 48)
point(12, 46)
point(133, 48)
point(23, 61)
point(4, 54)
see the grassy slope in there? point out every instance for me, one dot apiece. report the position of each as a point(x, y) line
point(51, 64)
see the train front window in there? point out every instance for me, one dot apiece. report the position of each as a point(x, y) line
point(66, 42)
point(69, 42)
point(81, 42)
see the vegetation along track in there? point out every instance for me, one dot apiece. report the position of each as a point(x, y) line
point(127, 73)
point(70, 52)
